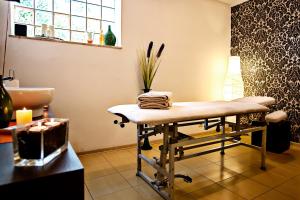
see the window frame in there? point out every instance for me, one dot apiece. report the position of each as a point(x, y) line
point(117, 19)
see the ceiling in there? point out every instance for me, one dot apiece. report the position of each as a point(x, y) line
point(233, 2)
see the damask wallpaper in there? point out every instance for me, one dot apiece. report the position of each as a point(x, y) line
point(266, 35)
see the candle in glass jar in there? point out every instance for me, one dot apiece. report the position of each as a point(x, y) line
point(52, 123)
point(38, 128)
point(23, 116)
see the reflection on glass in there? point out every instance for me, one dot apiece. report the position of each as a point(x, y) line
point(108, 14)
point(62, 21)
point(108, 3)
point(98, 2)
point(43, 4)
point(27, 3)
point(78, 23)
point(62, 34)
point(42, 17)
point(62, 6)
point(38, 31)
point(93, 25)
point(78, 8)
point(94, 11)
point(30, 31)
point(78, 37)
point(23, 15)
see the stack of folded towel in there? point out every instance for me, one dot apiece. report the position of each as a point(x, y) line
point(155, 100)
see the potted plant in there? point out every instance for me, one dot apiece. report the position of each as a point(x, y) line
point(149, 62)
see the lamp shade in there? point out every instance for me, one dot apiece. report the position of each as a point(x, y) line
point(233, 85)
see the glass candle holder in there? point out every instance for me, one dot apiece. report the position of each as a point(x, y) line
point(38, 143)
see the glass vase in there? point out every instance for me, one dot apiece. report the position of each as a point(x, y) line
point(110, 38)
point(6, 106)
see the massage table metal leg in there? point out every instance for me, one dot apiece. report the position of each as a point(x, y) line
point(171, 171)
point(223, 135)
point(264, 148)
point(139, 150)
point(163, 152)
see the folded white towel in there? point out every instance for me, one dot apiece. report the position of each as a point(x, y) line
point(155, 100)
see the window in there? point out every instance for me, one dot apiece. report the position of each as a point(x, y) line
point(72, 19)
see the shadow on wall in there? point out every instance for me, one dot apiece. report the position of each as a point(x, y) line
point(265, 34)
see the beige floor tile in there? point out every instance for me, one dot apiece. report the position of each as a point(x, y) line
point(244, 187)
point(127, 194)
point(291, 187)
point(234, 165)
point(286, 170)
point(87, 195)
point(216, 157)
point(199, 181)
point(130, 176)
point(147, 192)
point(215, 192)
point(273, 195)
point(123, 164)
point(267, 178)
point(194, 163)
point(91, 159)
point(93, 171)
point(106, 185)
point(240, 150)
point(216, 172)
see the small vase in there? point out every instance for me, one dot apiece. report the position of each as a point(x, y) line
point(6, 106)
point(110, 38)
point(146, 90)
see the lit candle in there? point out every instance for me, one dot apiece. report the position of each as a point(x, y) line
point(24, 116)
point(38, 128)
point(52, 123)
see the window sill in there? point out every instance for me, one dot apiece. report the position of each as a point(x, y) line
point(64, 42)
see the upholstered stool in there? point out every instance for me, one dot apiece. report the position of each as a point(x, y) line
point(278, 132)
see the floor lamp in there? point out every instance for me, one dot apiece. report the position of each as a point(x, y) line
point(233, 85)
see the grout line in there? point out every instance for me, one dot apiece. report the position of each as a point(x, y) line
point(88, 191)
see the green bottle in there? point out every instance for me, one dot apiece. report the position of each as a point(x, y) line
point(6, 106)
point(110, 38)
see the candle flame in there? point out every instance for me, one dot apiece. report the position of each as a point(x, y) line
point(52, 120)
point(24, 108)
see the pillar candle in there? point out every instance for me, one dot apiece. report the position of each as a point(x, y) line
point(23, 116)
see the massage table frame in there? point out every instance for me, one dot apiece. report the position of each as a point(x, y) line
point(174, 146)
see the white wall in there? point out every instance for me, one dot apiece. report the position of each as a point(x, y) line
point(88, 80)
point(3, 20)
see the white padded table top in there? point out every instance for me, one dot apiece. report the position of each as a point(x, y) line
point(185, 111)
point(262, 100)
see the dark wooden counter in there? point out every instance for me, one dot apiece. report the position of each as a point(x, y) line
point(62, 178)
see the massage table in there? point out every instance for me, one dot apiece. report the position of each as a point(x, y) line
point(151, 122)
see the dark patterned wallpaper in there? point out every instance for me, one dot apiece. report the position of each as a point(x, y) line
point(266, 35)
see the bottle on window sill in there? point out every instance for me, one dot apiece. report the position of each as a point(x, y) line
point(101, 38)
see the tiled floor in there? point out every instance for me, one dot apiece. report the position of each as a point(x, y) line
point(111, 175)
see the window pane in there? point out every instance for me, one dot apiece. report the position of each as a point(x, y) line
point(108, 3)
point(27, 3)
point(78, 23)
point(30, 31)
point(38, 31)
point(43, 4)
point(93, 26)
point(62, 34)
point(96, 39)
point(42, 17)
point(78, 8)
point(62, 6)
point(23, 15)
point(78, 37)
point(108, 14)
point(105, 27)
point(94, 11)
point(98, 2)
point(61, 21)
